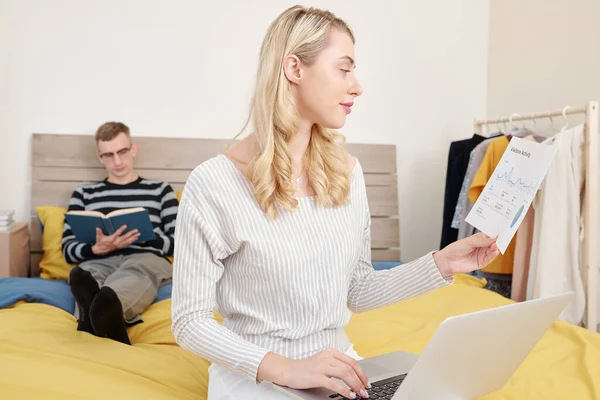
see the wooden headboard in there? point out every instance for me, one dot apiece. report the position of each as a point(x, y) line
point(60, 163)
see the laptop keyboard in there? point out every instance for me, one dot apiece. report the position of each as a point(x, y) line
point(381, 390)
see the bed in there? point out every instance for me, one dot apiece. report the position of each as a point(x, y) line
point(43, 356)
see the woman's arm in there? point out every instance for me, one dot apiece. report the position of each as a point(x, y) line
point(201, 242)
point(371, 289)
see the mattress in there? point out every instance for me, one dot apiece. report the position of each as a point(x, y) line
point(43, 356)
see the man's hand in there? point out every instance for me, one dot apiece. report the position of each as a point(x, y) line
point(108, 244)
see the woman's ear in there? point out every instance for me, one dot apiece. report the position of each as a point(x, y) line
point(292, 69)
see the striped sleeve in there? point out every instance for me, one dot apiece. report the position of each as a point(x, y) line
point(370, 289)
point(74, 251)
point(165, 233)
point(202, 241)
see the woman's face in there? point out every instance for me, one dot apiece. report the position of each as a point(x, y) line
point(325, 91)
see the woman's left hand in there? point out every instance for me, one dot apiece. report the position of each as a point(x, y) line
point(466, 255)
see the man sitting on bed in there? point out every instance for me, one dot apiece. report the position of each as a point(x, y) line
point(116, 280)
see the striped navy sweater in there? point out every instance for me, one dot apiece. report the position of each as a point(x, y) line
point(156, 196)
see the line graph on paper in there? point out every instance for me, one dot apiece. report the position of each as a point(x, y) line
point(506, 174)
point(506, 191)
point(510, 189)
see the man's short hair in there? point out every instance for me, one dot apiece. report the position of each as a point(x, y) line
point(109, 130)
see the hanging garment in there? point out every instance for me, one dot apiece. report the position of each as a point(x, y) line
point(463, 204)
point(523, 242)
point(523, 247)
point(503, 263)
point(554, 264)
point(458, 160)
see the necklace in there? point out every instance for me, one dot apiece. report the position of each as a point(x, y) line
point(299, 181)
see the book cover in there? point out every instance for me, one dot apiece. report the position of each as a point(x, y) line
point(84, 223)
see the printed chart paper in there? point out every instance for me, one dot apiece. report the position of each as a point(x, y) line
point(506, 198)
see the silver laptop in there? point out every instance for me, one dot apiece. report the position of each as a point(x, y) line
point(468, 356)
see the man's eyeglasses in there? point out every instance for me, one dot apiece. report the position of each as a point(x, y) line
point(111, 156)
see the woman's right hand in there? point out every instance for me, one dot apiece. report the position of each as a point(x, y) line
point(316, 371)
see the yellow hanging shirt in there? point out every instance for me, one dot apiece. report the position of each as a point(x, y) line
point(503, 263)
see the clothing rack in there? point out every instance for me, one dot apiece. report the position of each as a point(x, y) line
point(590, 210)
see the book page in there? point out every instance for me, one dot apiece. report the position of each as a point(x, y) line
point(125, 211)
point(90, 213)
point(506, 198)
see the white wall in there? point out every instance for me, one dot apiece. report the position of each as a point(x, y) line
point(543, 55)
point(185, 69)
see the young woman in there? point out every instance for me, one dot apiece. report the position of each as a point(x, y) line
point(275, 234)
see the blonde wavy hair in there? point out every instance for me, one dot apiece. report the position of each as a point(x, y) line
point(302, 32)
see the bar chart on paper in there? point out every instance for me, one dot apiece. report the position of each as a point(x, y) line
point(511, 189)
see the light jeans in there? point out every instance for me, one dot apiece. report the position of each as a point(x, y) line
point(135, 278)
point(224, 384)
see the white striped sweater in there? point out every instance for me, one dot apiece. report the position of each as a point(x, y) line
point(285, 286)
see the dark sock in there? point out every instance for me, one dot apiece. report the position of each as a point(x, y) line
point(84, 288)
point(106, 316)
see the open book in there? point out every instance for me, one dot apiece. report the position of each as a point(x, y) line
point(84, 223)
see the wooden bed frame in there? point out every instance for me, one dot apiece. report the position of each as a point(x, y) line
point(60, 163)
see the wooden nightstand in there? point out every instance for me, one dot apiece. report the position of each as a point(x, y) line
point(14, 251)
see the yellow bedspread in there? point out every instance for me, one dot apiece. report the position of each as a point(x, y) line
point(42, 356)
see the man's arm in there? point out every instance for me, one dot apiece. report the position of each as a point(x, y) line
point(165, 234)
point(73, 250)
